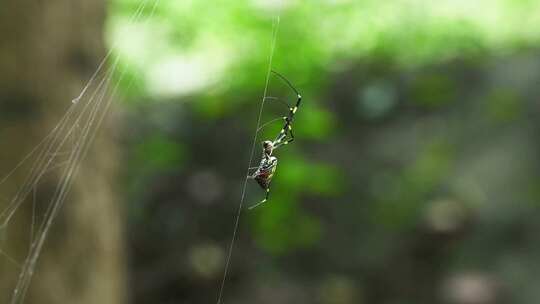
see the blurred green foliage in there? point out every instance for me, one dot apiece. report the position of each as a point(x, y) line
point(406, 193)
point(158, 154)
point(504, 106)
point(407, 132)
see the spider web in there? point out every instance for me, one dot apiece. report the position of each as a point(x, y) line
point(275, 31)
point(60, 154)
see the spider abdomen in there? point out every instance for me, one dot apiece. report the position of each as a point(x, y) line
point(266, 170)
point(264, 178)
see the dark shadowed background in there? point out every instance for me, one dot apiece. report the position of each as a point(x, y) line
point(414, 176)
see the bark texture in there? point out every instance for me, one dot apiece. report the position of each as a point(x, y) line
point(48, 50)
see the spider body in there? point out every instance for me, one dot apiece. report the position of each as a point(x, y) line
point(265, 172)
point(267, 167)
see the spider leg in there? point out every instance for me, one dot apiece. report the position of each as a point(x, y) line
point(271, 121)
point(277, 99)
point(261, 202)
point(282, 138)
point(252, 174)
point(290, 139)
point(283, 133)
point(293, 110)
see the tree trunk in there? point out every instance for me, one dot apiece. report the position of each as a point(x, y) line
point(48, 51)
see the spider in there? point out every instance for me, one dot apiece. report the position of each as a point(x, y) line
point(267, 167)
